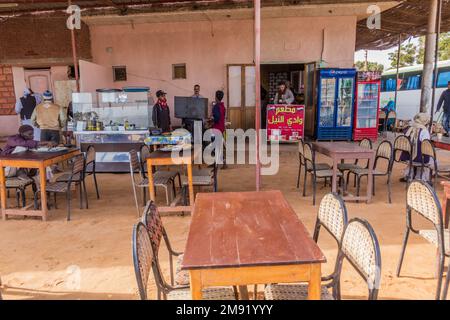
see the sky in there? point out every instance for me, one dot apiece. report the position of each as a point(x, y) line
point(380, 56)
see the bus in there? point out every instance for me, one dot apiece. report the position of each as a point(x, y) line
point(409, 88)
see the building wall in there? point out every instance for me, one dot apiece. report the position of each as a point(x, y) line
point(9, 120)
point(149, 50)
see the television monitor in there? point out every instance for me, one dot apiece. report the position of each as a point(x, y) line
point(191, 108)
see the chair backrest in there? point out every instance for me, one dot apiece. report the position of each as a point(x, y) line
point(308, 153)
point(332, 216)
point(361, 248)
point(135, 164)
point(144, 152)
point(427, 149)
point(402, 144)
point(143, 257)
point(365, 143)
point(152, 221)
point(90, 155)
point(392, 115)
point(382, 115)
point(300, 151)
point(385, 151)
point(421, 198)
point(78, 164)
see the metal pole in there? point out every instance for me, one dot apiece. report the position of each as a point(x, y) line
point(427, 74)
point(398, 67)
point(436, 60)
point(74, 54)
point(257, 48)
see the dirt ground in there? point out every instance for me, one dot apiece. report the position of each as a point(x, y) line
point(43, 260)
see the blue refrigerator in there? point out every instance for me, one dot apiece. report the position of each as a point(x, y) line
point(336, 95)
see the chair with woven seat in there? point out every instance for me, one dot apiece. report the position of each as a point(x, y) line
point(76, 177)
point(310, 158)
point(364, 143)
point(422, 199)
point(319, 166)
point(436, 169)
point(403, 146)
point(360, 247)
point(20, 186)
point(159, 180)
point(384, 152)
point(391, 115)
point(144, 262)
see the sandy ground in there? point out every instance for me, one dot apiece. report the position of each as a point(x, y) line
point(45, 260)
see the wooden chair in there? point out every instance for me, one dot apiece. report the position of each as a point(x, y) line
point(436, 170)
point(302, 163)
point(360, 247)
point(421, 199)
point(76, 177)
point(310, 158)
point(144, 261)
point(364, 143)
point(384, 152)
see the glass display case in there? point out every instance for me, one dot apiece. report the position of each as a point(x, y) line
point(114, 122)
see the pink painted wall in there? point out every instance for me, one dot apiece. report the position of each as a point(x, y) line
point(94, 76)
point(149, 50)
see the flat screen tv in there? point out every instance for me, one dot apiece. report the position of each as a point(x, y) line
point(191, 108)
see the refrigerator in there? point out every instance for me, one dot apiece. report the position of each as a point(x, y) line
point(336, 95)
point(367, 104)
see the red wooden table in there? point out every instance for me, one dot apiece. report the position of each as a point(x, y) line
point(30, 159)
point(340, 151)
point(245, 238)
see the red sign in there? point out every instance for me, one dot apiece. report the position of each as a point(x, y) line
point(285, 122)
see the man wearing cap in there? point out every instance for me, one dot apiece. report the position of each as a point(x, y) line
point(445, 100)
point(161, 112)
point(50, 118)
point(25, 107)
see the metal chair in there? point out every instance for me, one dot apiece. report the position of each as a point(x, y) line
point(391, 115)
point(310, 158)
point(421, 199)
point(403, 146)
point(152, 220)
point(201, 178)
point(20, 186)
point(384, 152)
point(144, 261)
point(360, 247)
point(159, 180)
point(364, 143)
point(76, 176)
point(302, 163)
point(332, 216)
point(436, 170)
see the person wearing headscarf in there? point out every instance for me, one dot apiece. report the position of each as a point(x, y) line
point(284, 94)
point(25, 106)
point(161, 112)
point(20, 142)
point(417, 132)
point(50, 118)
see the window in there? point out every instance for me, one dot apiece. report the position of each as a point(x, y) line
point(443, 78)
point(411, 81)
point(120, 73)
point(179, 71)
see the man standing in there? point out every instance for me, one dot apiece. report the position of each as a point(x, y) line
point(50, 118)
point(25, 107)
point(445, 100)
point(197, 92)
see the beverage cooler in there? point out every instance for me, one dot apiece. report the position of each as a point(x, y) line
point(336, 95)
point(367, 105)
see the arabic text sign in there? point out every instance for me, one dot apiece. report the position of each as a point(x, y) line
point(285, 122)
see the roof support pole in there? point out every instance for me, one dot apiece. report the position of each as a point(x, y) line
point(430, 43)
point(399, 49)
point(74, 54)
point(257, 48)
point(436, 59)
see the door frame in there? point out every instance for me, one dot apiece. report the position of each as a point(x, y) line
point(310, 110)
point(47, 72)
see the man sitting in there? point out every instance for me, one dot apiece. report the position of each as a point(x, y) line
point(20, 142)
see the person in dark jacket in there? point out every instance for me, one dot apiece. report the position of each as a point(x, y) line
point(219, 112)
point(161, 112)
point(444, 100)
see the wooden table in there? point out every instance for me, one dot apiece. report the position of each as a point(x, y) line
point(340, 151)
point(443, 143)
point(162, 158)
point(31, 160)
point(245, 238)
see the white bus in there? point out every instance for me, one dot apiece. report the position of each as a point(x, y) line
point(408, 98)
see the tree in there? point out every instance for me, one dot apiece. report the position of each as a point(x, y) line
point(371, 66)
point(407, 56)
point(444, 48)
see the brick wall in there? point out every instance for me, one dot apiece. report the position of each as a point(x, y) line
point(7, 96)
